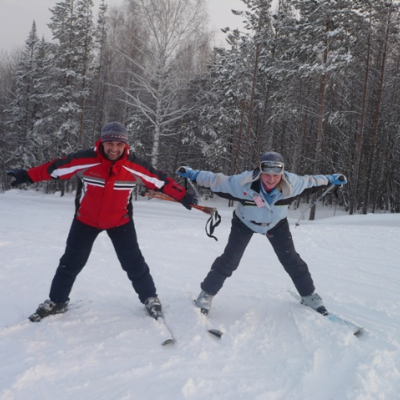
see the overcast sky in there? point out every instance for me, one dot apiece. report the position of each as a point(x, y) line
point(17, 17)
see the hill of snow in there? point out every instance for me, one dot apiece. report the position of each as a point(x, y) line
point(273, 348)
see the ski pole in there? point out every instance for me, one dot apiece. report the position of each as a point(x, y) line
point(324, 193)
point(163, 196)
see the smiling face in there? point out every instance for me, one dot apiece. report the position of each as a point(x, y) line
point(114, 150)
point(270, 181)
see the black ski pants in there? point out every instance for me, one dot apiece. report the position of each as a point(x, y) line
point(79, 246)
point(281, 240)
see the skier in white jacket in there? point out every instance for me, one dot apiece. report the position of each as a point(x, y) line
point(263, 197)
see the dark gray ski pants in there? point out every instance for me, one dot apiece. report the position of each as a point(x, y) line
point(281, 240)
point(79, 246)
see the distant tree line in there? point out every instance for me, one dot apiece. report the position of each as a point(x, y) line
point(317, 81)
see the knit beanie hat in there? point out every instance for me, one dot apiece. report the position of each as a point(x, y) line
point(114, 132)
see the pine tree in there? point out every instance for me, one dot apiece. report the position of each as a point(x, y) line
point(68, 76)
point(85, 42)
point(24, 109)
point(8, 141)
point(323, 28)
point(100, 36)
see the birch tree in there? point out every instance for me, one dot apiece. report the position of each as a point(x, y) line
point(157, 86)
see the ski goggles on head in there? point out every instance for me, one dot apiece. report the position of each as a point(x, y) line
point(271, 167)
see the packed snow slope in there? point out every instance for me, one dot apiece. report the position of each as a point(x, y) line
point(107, 348)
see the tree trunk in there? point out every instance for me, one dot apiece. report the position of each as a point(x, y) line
point(251, 105)
point(356, 171)
point(239, 139)
point(321, 110)
point(376, 120)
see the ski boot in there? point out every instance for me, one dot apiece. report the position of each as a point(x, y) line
point(203, 302)
point(48, 308)
point(314, 301)
point(153, 306)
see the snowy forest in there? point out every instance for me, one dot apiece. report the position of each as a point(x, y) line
point(316, 80)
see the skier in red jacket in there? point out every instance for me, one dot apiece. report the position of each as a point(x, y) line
point(108, 173)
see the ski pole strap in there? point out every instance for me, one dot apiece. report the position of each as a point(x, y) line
point(212, 223)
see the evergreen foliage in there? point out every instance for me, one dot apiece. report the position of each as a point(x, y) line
point(314, 80)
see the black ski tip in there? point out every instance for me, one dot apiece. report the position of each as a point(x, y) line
point(216, 333)
point(168, 341)
point(358, 332)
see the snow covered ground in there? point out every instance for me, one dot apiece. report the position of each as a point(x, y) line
point(106, 348)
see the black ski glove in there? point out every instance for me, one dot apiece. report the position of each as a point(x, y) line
point(188, 200)
point(20, 175)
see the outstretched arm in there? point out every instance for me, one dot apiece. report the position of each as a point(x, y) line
point(21, 176)
point(158, 180)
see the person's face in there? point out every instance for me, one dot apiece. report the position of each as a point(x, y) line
point(114, 150)
point(270, 180)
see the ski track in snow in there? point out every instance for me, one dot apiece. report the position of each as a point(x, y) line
point(273, 348)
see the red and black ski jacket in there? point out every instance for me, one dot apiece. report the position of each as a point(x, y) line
point(105, 193)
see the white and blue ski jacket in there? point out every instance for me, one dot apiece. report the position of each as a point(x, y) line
point(258, 210)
